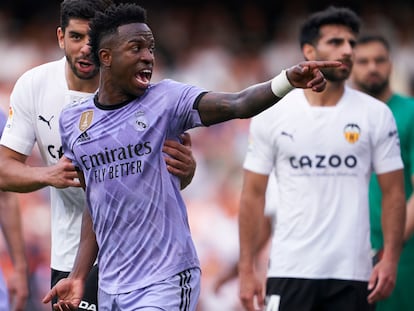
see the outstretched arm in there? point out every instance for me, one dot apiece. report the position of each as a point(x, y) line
point(216, 107)
point(17, 176)
point(180, 161)
point(10, 223)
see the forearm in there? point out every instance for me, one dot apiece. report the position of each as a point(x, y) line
point(265, 233)
point(10, 219)
point(17, 176)
point(409, 223)
point(22, 178)
point(219, 107)
point(250, 215)
point(88, 249)
point(393, 220)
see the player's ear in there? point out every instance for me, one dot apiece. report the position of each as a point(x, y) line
point(308, 51)
point(60, 37)
point(105, 57)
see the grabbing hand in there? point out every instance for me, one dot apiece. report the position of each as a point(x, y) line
point(62, 174)
point(180, 162)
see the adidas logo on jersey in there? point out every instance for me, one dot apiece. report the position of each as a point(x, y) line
point(84, 137)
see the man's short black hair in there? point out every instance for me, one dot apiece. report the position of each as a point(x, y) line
point(106, 23)
point(309, 32)
point(368, 38)
point(80, 9)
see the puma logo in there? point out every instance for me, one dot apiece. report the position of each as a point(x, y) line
point(41, 118)
point(287, 134)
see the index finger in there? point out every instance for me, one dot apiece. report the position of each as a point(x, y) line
point(325, 64)
point(373, 296)
point(49, 295)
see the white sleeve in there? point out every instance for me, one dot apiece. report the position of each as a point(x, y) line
point(386, 144)
point(259, 156)
point(19, 134)
point(272, 196)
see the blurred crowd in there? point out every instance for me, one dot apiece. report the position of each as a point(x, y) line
point(216, 45)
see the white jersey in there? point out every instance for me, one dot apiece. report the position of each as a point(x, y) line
point(35, 106)
point(323, 158)
point(272, 199)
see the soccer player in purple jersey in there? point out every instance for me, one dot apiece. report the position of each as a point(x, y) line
point(136, 221)
point(35, 105)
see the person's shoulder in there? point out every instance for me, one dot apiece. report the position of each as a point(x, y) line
point(360, 98)
point(403, 100)
point(291, 101)
point(364, 97)
point(285, 106)
point(372, 107)
point(174, 89)
point(46, 67)
point(41, 72)
point(80, 104)
point(169, 84)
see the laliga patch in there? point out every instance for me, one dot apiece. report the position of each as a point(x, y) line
point(352, 132)
point(85, 120)
point(9, 122)
point(140, 121)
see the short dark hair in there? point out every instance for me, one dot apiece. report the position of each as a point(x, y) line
point(80, 9)
point(368, 38)
point(106, 23)
point(309, 32)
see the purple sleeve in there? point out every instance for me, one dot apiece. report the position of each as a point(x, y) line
point(3, 120)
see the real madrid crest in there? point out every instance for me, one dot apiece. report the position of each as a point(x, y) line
point(140, 121)
point(85, 120)
point(352, 132)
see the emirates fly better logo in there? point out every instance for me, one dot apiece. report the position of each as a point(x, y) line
point(352, 132)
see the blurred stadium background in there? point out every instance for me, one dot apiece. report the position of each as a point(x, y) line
point(220, 45)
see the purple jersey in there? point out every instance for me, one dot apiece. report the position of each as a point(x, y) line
point(3, 120)
point(139, 216)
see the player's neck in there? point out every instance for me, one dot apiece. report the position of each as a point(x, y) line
point(385, 95)
point(87, 86)
point(329, 97)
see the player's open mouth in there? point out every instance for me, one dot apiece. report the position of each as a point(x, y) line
point(85, 66)
point(144, 76)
